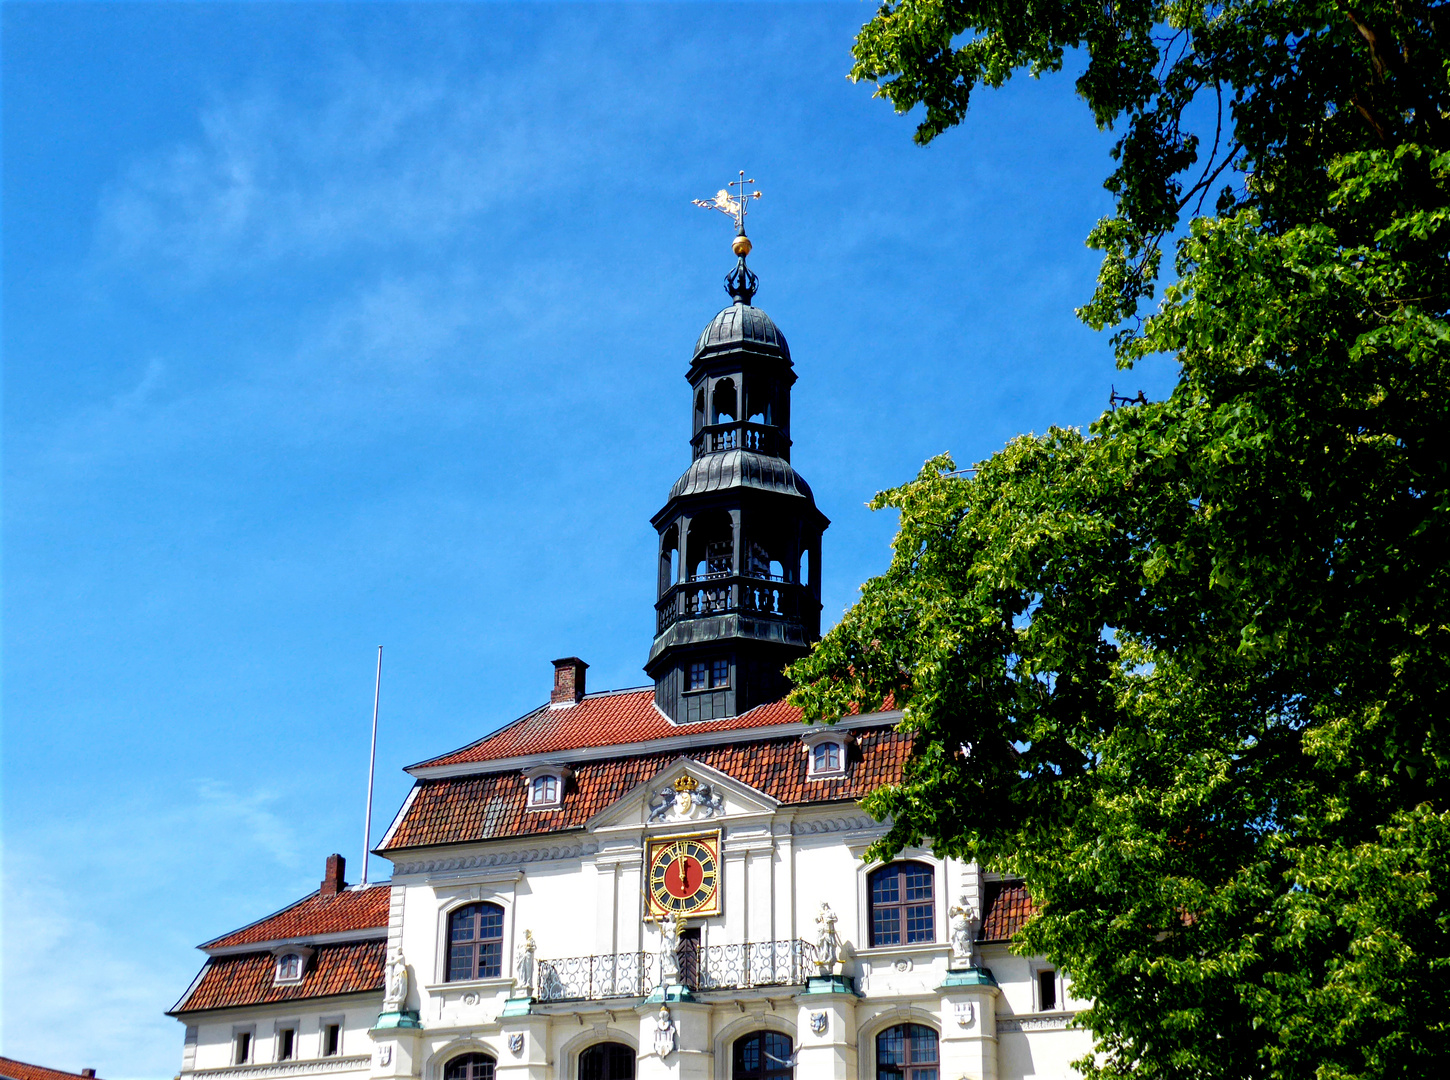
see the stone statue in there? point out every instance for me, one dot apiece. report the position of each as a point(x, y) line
point(524, 965)
point(661, 803)
point(828, 942)
point(670, 927)
point(397, 981)
point(665, 1031)
point(966, 923)
point(710, 801)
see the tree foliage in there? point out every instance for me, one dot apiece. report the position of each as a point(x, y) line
point(1188, 674)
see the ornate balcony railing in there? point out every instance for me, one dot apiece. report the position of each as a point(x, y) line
point(717, 595)
point(714, 967)
point(591, 978)
point(750, 963)
point(741, 434)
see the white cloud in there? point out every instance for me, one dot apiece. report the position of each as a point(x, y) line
point(84, 938)
point(378, 162)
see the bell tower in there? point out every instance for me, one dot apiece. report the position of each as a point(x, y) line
point(739, 593)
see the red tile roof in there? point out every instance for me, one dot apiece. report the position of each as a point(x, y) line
point(620, 716)
point(1006, 907)
point(10, 1069)
point(459, 809)
point(247, 978)
point(352, 909)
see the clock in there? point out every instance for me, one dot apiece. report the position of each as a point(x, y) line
point(684, 875)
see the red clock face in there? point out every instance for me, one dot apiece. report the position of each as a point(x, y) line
point(684, 875)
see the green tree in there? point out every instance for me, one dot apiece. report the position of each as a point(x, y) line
point(1187, 674)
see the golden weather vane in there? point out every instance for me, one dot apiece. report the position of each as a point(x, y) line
point(736, 205)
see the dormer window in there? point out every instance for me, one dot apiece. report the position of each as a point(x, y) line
point(827, 754)
point(826, 758)
point(544, 791)
point(545, 785)
point(290, 964)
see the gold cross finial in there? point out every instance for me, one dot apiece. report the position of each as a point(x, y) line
point(733, 204)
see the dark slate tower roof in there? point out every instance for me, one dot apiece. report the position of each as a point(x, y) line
point(742, 328)
point(740, 535)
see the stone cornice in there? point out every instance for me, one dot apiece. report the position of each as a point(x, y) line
point(283, 1068)
point(492, 860)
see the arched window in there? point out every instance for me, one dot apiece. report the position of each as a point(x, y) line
point(544, 791)
point(475, 947)
point(903, 909)
point(607, 1061)
point(724, 401)
point(763, 1055)
point(827, 758)
point(469, 1067)
point(289, 967)
point(906, 1052)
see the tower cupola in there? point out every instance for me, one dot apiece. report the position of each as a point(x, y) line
point(739, 593)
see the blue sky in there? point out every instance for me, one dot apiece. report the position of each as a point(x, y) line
point(330, 326)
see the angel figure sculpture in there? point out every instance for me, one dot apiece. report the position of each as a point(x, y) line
point(670, 927)
point(397, 980)
point(828, 942)
point(966, 923)
point(524, 966)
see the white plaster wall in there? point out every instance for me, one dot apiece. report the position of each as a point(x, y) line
point(215, 1031)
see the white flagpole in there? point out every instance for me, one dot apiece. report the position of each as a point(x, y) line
point(372, 762)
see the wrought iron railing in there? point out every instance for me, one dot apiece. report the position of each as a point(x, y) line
point(714, 967)
point(750, 963)
point(590, 978)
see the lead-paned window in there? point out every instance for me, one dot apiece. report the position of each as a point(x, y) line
point(475, 943)
point(762, 1055)
point(903, 908)
point(469, 1067)
point(607, 1061)
point(906, 1052)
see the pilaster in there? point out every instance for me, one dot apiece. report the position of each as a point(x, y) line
point(691, 1057)
point(526, 1047)
point(826, 1031)
point(969, 1025)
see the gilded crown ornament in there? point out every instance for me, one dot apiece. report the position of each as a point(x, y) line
point(686, 782)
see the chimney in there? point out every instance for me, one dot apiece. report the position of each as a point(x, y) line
point(568, 682)
point(89, 1074)
point(332, 881)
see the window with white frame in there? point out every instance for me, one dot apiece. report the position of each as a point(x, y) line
point(826, 754)
point(1047, 990)
point(331, 1036)
point(290, 964)
point(544, 791)
point(242, 1045)
point(545, 786)
point(286, 1042)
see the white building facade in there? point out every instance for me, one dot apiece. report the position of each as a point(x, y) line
point(663, 883)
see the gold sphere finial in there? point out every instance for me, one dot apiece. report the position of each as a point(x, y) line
point(741, 245)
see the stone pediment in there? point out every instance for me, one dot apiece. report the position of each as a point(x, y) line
point(685, 792)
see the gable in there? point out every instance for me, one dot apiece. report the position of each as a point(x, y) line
point(686, 790)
